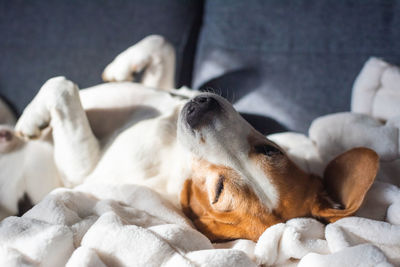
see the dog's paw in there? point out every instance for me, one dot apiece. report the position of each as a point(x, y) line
point(134, 60)
point(125, 65)
point(32, 121)
point(36, 116)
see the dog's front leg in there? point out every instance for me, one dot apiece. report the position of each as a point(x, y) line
point(76, 149)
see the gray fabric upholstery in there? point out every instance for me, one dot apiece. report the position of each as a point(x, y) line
point(77, 38)
point(287, 60)
point(293, 60)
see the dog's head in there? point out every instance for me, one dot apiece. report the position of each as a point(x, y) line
point(241, 182)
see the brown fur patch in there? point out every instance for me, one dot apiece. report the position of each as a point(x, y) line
point(238, 212)
point(233, 210)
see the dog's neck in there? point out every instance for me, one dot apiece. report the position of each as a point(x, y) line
point(178, 169)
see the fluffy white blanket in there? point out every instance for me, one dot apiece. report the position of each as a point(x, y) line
point(128, 225)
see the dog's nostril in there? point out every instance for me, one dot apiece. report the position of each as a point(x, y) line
point(203, 99)
point(190, 109)
point(206, 101)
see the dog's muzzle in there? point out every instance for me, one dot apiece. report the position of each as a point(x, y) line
point(201, 110)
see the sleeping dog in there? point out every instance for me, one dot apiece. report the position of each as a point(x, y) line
point(193, 148)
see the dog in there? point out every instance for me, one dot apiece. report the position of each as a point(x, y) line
point(193, 148)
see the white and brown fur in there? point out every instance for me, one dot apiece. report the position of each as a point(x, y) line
point(191, 147)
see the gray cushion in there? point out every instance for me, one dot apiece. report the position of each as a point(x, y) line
point(292, 60)
point(77, 38)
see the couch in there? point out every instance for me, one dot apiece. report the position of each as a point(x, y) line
point(283, 63)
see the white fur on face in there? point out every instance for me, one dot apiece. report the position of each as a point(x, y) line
point(223, 140)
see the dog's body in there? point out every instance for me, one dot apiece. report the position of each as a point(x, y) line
point(34, 168)
point(192, 148)
point(137, 139)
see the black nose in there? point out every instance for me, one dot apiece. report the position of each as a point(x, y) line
point(206, 102)
point(201, 109)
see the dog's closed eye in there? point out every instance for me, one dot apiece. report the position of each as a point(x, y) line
point(268, 150)
point(218, 189)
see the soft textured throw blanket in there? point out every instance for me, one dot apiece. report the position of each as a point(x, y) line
point(128, 225)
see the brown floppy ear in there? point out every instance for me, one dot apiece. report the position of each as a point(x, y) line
point(347, 179)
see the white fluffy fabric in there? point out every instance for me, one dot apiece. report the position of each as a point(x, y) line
point(376, 91)
point(128, 225)
point(105, 225)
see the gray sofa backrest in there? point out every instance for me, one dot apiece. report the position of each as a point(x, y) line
point(293, 60)
point(289, 61)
